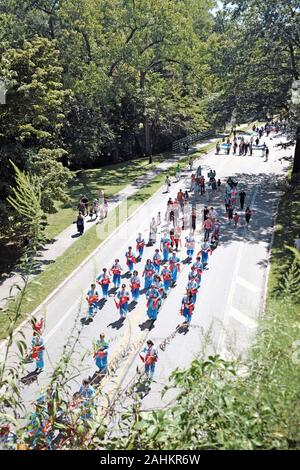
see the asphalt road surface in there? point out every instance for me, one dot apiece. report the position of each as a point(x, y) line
point(230, 300)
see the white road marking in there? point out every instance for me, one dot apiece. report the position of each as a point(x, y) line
point(242, 318)
point(248, 285)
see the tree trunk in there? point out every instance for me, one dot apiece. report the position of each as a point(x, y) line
point(296, 166)
point(147, 128)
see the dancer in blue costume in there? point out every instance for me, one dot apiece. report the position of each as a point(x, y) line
point(174, 263)
point(153, 303)
point(148, 273)
point(101, 354)
point(104, 280)
point(123, 298)
point(116, 271)
point(165, 244)
point(131, 259)
point(140, 245)
point(135, 286)
point(157, 260)
point(187, 306)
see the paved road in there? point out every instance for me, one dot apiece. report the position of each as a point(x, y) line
point(230, 299)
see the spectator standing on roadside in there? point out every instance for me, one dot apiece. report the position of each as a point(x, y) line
point(242, 196)
point(81, 207)
point(248, 214)
point(85, 201)
point(230, 213)
point(236, 219)
point(80, 223)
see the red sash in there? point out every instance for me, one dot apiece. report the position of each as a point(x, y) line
point(157, 261)
point(150, 359)
point(167, 277)
point(135, 285)
point(123, 300)
point(36, 350)
point(92, 299)
point(116, 271)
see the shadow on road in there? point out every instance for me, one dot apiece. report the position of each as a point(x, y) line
point(117, 324)
point(147, 325)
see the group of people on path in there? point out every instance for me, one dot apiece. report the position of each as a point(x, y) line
point(99, 209)
point(243, 147)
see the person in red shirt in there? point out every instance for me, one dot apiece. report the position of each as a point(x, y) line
point(208, 226)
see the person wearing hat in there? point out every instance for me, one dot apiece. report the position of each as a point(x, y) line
point(123, 296)
point(153, 302)
point(150, 358)
point(101, 353)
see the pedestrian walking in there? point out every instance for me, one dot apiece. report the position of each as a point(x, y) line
point(248, 215)
point(80, 223)
point(207, 225)
point(236, 219)
point(242, 196)
point(178, 173)
point(168, 184)
point(194, 217)
point(230, 213)
point(267, 151)
point(85, 201)
point(153, 231)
